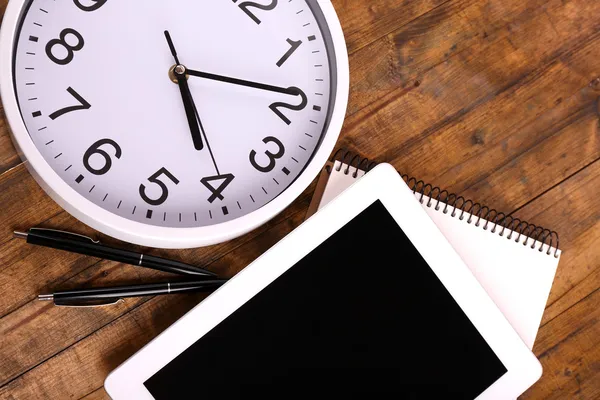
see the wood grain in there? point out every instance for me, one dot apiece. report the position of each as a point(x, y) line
point(494, 99)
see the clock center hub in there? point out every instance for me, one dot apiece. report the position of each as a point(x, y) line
point(177, 69)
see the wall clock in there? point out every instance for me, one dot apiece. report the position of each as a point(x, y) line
point(176, 123)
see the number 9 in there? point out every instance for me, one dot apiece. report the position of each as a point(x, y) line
point(97, 4)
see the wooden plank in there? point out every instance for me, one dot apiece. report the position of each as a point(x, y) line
point(38, 268)
point(405, 55)
point(24, 203)
point(471, 147)
point(38, 330)
point(98, 394)
point(8, 154)
point(569, 349)
point(544, 165)
point(579, 291)
point(364, 22)
point(82, 368)
point(385, 128)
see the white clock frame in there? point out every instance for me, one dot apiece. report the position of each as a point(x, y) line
point(150, 235)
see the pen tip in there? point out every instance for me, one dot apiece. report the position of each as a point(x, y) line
point(45, 297)
point(19, 235)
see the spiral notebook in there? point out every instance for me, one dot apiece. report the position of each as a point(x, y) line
point(513, 260)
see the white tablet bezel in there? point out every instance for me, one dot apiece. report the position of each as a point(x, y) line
point(384, 184)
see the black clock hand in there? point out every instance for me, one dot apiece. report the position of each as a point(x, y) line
point(190, 111)
point(235, 81)
point(188, 101)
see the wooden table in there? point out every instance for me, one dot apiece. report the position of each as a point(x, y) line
point(493, 99)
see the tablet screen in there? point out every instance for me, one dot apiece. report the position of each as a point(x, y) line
point(361, 315)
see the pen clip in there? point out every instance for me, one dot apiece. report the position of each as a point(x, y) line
point(69, 235)
point(88, 303)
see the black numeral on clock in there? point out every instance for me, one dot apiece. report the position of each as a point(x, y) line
point(155, 178)
point(294, 46)
point(221, 180)
point(83, 105)
point(96, 4)
point(95, 149)
point(61, 42)
point(275, 106)
point(246, 5)
point(272, 157)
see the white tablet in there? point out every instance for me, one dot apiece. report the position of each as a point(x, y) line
point(365, 299)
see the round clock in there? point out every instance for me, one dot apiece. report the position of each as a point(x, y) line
point(177, 123)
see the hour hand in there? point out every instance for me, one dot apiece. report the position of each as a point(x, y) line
point(179, 71)
point(190, 109)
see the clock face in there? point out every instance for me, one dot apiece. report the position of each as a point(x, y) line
point(212, 140)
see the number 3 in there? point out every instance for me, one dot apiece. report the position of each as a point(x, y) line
point(272, 156)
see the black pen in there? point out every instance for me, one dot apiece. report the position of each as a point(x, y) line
point(111, 295)
point(84, 245)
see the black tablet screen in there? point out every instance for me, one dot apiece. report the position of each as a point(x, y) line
point(361, 316)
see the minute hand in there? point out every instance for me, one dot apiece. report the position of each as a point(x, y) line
point(235, 81)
